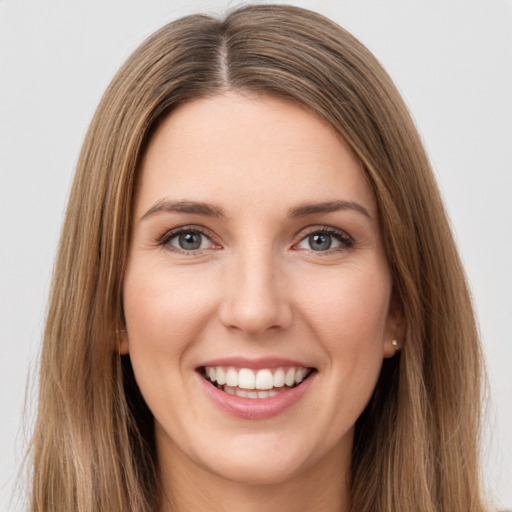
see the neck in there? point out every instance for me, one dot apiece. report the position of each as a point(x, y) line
point(319, 488)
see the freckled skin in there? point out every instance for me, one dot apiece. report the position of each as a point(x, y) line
point(255, 289)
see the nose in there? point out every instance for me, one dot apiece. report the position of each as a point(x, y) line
point(255, 299)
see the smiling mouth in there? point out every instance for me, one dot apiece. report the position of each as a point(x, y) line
point(255, 384)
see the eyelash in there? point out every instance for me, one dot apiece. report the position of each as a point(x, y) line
point(345, 240)
point(165, 240)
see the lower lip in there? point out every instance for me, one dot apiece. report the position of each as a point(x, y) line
point(256, 408)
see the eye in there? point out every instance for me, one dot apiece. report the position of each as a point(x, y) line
point(322, 240)
point(187, 240)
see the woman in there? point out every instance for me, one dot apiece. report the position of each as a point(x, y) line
point(257, 301)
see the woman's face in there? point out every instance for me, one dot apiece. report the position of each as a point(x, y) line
point(256, 262)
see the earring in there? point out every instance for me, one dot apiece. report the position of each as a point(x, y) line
point(395, 344)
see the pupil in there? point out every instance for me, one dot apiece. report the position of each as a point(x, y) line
point(190, 241)
point(320, 242)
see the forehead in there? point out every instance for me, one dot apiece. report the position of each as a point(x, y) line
point(242, 150)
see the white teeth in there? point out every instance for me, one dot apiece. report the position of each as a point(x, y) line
point(290, 377)
point(264, 379)
point(299, 376)
point(221, 376)
point(278, 378)
point(232, 377)
point(241, 393)
point(244, 393)
point(246, 379)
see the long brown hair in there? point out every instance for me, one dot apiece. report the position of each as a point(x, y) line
point(416, 444)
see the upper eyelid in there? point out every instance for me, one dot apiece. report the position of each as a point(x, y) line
point(165, 238)
point(300, 235)
point(189, 227)
point(322, 229)
point(345, 240)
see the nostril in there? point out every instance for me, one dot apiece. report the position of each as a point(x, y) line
point(254, 301)
point(255, 319)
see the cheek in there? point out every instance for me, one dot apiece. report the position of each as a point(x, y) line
point(164, 310)
point(346, 312)
point(348, 315)
point(165, 313)
point(349, 311)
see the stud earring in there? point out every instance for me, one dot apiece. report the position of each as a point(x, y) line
point(395, 344)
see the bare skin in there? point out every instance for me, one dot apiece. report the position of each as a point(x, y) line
point(256, 238)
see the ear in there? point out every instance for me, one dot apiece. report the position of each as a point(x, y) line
point(123, 344)
point(395, 328)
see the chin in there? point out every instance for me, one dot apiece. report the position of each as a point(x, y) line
point(270, 458)
point(258, 472)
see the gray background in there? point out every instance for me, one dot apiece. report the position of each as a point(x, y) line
point(451, 59)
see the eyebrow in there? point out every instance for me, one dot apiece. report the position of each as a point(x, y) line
point(211, 210)
point(328, 207)
point(197, 208)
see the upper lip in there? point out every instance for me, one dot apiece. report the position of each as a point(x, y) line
point(254, 364)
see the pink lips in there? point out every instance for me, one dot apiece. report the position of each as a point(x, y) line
point(261, 408)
